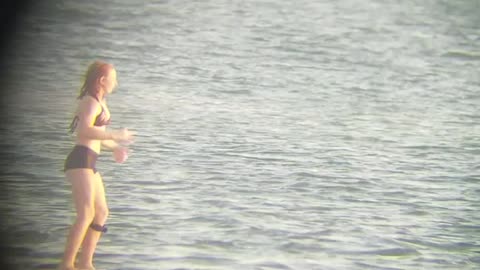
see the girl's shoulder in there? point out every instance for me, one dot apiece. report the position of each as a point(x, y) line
point(88, 103)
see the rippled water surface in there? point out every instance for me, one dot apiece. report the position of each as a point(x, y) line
point(271, 134)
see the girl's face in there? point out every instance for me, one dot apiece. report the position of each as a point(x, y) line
point(109, 82)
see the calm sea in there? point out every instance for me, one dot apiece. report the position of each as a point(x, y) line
point(271, 134)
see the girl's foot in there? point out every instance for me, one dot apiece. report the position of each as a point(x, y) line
point(85, 267)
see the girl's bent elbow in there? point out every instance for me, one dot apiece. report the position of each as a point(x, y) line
point(85, 133)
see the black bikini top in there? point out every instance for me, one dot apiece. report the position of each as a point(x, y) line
point(100, 120)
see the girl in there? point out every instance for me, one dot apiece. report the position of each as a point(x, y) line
point(88, 192)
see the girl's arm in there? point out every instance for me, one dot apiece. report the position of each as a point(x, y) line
point(110, 144)
point(88, 112)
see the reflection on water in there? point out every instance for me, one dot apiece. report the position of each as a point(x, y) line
point(296, 135)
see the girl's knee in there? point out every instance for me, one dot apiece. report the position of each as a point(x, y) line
point(102, 213)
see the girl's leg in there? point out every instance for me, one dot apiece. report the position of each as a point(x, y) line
point(82, 181)
point(92, 237)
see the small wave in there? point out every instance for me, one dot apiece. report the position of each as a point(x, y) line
point(390, 252)
point(293, 247)
point(214, 243)
point(450, 246)
point(397, 252)
point(272, 265)
point(196, 259)
point(370, 266)
point(236, 92)
point(462, 55)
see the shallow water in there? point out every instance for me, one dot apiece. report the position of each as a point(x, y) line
point(272, 134)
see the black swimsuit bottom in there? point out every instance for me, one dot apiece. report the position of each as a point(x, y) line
point(81, 157)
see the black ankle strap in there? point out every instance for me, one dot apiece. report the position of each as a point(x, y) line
point(98, 227)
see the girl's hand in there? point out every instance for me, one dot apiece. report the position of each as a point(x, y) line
point(123, 136)
point(120, 154)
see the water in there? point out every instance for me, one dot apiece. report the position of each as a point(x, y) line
point(272, 134)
